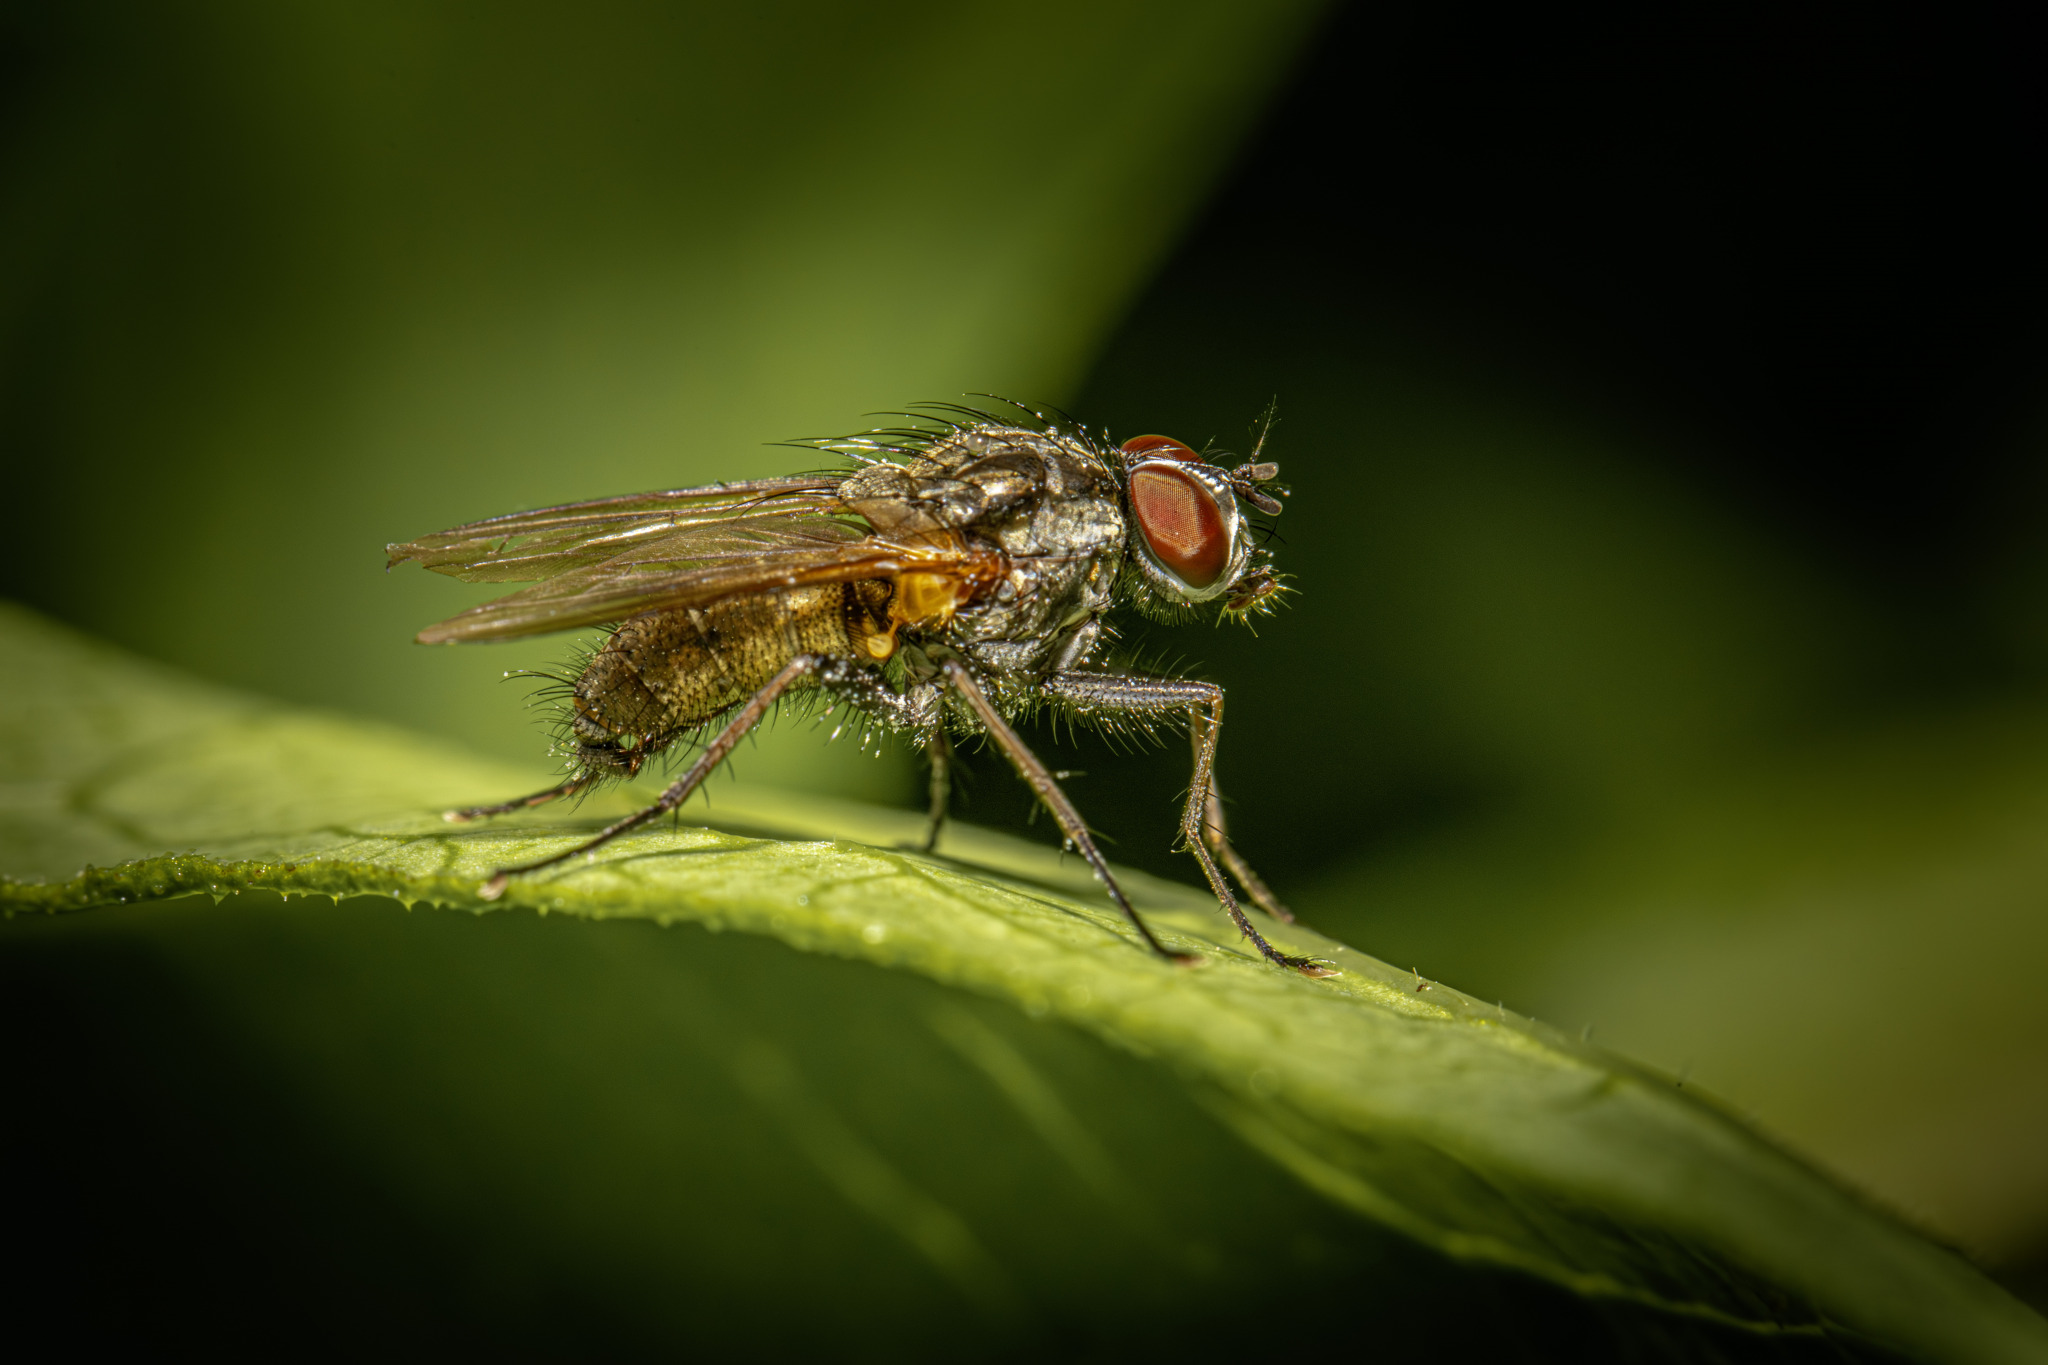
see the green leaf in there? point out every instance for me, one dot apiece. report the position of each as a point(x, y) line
point(1490, 1140)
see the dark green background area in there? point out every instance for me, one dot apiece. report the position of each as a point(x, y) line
point(1662, 397)
point(1689, 384)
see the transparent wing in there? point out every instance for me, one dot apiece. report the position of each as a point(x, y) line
point(599, 564)
point(525, 546)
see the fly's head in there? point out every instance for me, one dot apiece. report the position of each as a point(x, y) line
point(1192, 539)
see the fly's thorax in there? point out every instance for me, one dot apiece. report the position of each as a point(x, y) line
point(1041, 602)
point(1064, 556)
point(1047, 501)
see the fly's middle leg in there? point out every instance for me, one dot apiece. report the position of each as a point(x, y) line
point(939, 749)
point(1047, 787)
point(916, 710)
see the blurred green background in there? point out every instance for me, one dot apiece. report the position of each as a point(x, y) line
point(1662, 396)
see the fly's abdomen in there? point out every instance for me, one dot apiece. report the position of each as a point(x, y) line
point(671, 671)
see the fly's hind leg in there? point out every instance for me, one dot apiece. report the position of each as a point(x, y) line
point(1201, 824)
point(595, 763)
point(716, 752)
point(581, 782)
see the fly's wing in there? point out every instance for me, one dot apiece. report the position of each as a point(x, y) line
point(526, 546)
point(692, 559)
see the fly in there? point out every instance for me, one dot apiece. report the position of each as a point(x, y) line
point(958, 576)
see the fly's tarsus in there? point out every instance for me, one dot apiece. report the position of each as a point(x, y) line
point(467, 814)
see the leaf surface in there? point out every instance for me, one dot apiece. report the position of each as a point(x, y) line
point(1480, 1134)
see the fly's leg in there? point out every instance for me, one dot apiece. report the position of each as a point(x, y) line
point(915, 710)
point(679, 791)
point(1042, 782)
point(940, 751)
point(1217, 834)
point(569, 788)
point(1132, 695)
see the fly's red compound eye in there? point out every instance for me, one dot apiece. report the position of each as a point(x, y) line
point(1160, 448)
point(1181, 522)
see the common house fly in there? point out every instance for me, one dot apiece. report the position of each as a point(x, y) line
point(957, 574)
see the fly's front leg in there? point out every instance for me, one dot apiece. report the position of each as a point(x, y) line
point(1133, 695)
point(1047, 787)
point(1205, 731)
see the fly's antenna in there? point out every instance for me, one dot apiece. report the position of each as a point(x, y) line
point(1254, 483)
point(1253, 480)
point(1268, 419)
